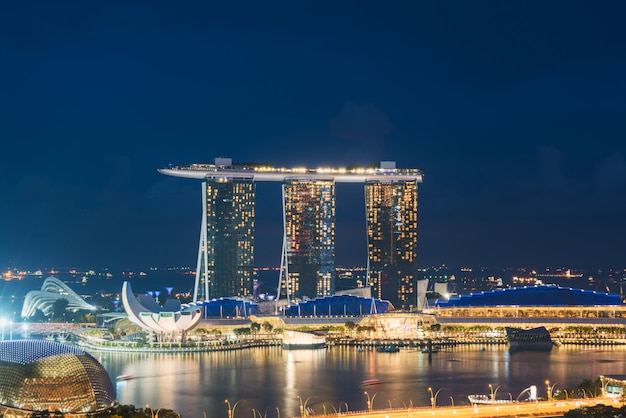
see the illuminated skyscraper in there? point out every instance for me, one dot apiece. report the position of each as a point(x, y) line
point(225, 256)
point(391, 212)
point(309, 242)
point(226, 252)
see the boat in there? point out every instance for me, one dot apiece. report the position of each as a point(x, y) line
point(487, 400)
point(293, 340)
point(388, 349)
point(371, 382)
point(124, 377)
point(529, 339)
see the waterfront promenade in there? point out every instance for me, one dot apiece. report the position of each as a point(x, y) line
point(517, 409)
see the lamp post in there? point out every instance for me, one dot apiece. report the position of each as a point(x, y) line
point(277, 412)
point(303, 405)
point(550, 389)
point(452, 400)
point(370, 401)
point(152, 413)
point(231, 410)
point(494, 392)
point(433, 397)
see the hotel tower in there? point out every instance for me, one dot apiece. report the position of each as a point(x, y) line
point(226, 250)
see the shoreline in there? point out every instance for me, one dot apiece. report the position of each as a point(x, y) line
point(362, 344)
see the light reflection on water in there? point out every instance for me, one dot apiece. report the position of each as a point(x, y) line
point(266, 378)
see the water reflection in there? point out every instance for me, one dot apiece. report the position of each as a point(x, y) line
point(267, 378)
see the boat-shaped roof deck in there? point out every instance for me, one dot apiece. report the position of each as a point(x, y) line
point(268, 173)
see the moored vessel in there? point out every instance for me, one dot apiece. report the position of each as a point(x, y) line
point(529, 339)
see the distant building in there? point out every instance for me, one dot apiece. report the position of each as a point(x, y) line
point(40, 375)
point(53, 290)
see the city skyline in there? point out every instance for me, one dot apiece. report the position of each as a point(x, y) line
point(514, 111)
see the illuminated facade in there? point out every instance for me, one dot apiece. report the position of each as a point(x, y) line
point(308, 260)
point(391, 216)
point(39, 375)
point(51, 291)
point(169, 322)
point(225, 256)
point(226, 252)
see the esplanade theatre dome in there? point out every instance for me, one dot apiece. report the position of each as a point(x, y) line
point(37, 375)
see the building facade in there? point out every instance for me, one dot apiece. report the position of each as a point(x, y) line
point(391, 217)
point(225, 255)
point(40, 375)
point(309, 238)
point(226, 252)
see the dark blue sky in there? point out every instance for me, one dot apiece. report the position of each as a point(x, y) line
point(515, 111)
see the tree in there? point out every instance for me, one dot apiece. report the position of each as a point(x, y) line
point(267, 327)
point(242, 331)
point(435, 327)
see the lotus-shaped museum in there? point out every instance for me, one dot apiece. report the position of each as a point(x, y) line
point(169, 319)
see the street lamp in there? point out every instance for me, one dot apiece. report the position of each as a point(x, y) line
point(550, 389)
point(370, 401)
point(332, 406)
point(452, 400)
point(433, 397)
point(493, 392)
point(303, 406)
point(152, 413)
point(231, 410)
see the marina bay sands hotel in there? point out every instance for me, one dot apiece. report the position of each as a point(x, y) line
point(226, 251)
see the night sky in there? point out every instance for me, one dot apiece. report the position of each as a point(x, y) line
point(516, 112)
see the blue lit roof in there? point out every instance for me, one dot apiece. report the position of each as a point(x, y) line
point(533, 296)
point(338, 305)
point(227, 307)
